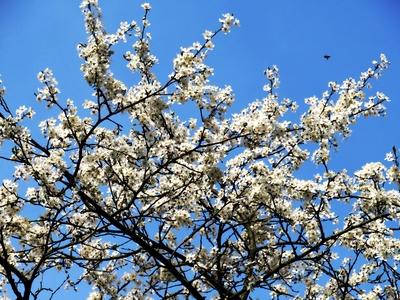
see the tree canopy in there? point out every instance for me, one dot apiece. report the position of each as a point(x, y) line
point(121, 194)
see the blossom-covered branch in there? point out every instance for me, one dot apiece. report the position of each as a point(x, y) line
point(121, 194)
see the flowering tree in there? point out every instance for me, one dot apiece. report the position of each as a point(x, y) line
point(136, 203)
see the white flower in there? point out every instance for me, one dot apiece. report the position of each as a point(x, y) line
point(228, 20)
point(146, 6)
point(390, 156)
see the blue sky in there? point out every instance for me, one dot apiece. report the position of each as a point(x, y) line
point(291, 34)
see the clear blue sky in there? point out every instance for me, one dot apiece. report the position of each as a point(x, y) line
point(291, 34)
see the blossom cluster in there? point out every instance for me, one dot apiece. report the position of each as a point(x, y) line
point(124, 195)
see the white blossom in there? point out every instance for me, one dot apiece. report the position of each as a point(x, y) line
point(120, 192)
